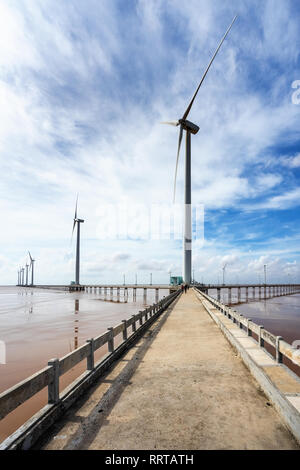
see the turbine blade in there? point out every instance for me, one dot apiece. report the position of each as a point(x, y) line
point(205, 73)
point(30, 256)
point(75, 217)
point(177, 159)
point(73, 228)
point(171, 123)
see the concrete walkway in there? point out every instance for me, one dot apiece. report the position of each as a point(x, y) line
point(181, 387)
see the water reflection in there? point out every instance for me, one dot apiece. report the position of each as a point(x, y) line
point(280, 316)
point(76, 324)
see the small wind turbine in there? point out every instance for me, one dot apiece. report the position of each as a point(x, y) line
point(78, 222)
point(190, 128)
point(32, 267)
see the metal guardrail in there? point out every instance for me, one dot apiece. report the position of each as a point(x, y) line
point(282, 348)
point(49, 376)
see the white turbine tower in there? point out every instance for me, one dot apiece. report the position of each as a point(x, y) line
point(27, 266)
point(224, 267)
point(190, 128)
point(31, 267)
point(78, 222)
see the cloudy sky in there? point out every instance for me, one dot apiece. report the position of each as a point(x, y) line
point(84, 85)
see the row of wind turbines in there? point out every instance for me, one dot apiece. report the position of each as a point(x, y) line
point(24, 273)
point(190, 128)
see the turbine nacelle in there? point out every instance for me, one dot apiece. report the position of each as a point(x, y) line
point(189, 126)
point(79, 220)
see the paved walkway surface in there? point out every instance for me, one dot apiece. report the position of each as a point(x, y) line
point(182, 386)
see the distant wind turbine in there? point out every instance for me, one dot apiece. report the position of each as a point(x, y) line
point(31, 267)
point(190, 128)
point(78, 222)
point(27, 266)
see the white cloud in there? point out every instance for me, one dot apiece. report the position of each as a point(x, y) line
point(284, 201)
point(291, 162)
point(268, 181)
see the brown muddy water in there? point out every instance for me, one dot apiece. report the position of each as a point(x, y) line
point(279, 315)
point(38, 324)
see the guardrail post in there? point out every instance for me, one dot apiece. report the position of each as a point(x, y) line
point(278, 353)
point(53, 387)
point(260, 339)
point(90, 358)
point(133, 324)
point(249, 332)
point(111, 340)
point(141, 317)
point(241, 324)
point(125, 330)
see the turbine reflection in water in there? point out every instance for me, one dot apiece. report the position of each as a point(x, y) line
point(76, 324)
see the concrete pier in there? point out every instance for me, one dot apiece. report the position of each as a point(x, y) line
point(229, 295)
point(182, 386)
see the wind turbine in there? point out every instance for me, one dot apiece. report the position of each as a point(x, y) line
point(78, 222)
point(190, 128)
point(27, 266)
point(32, 267)
point(224, 267)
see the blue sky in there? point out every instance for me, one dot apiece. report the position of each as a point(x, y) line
point(84, 86)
